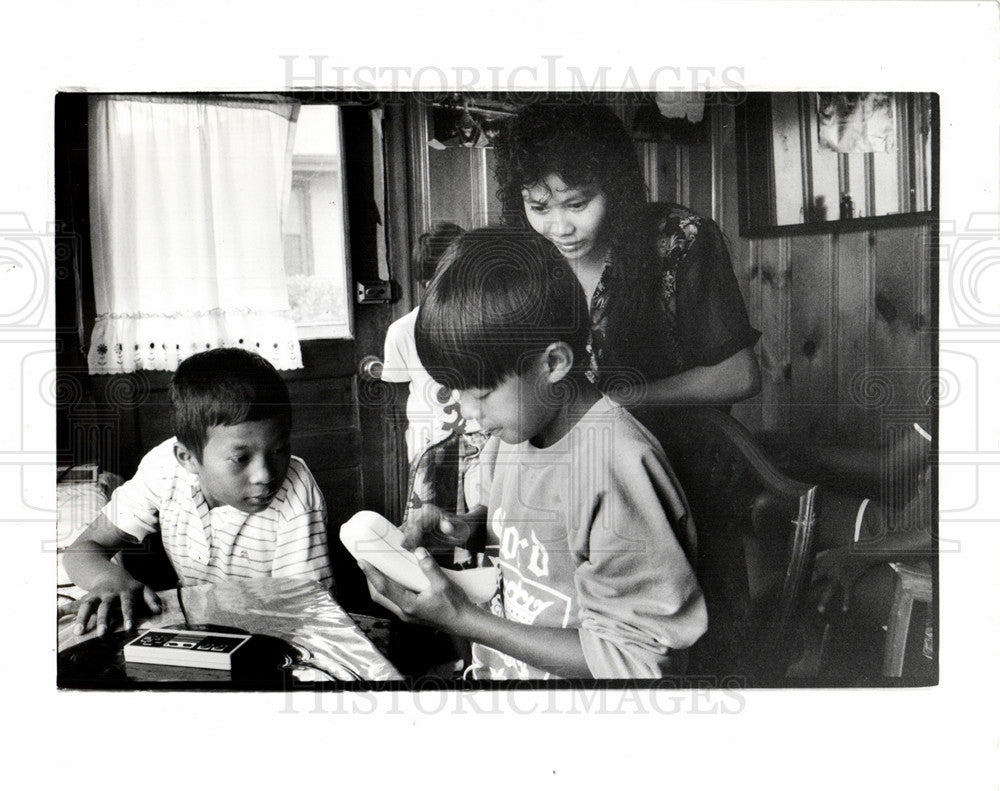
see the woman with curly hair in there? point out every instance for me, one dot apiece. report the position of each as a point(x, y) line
point(668, 321)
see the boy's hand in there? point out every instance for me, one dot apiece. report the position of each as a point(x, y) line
point(115, 592)
point(836, 571)
point(435, 529)
point(443, 604)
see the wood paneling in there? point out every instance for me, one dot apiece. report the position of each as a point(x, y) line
point(845, 317)
point(699, 170)
point(812, 351)
point(853, 321)
point(724, 142)
point(902, 350)
point(326, 450)
point(153, 423)
point(669, 186)
point(324, 403)
point(845, 348)
point(769, 312)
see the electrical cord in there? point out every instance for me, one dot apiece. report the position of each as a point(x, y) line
point(180, 601)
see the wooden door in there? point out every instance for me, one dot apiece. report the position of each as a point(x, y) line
point(344, 426)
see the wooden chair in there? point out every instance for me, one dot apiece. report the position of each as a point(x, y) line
point(755, 530)
point(895, 482)
point(913, 584)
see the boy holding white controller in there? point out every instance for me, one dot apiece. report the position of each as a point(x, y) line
point(594, 537)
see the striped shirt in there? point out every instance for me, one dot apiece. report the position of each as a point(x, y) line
point(287, 539)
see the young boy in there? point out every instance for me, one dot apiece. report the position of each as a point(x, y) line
point(431, 412)
point(593, 532)
point(225, 493)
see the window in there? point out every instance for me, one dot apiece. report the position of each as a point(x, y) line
point(314, 233)
point(188, 195)
point(851, 158)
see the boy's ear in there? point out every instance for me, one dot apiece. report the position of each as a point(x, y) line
point(185, 457)
point(558, 360)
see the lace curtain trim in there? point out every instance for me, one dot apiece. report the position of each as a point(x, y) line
point(189, 314)
point(122, 343)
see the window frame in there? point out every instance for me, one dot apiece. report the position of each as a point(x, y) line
point(756, 176)
point(328, 330)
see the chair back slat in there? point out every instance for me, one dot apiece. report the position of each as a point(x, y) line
point(755, 529)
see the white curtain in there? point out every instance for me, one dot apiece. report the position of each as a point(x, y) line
point(186, 202)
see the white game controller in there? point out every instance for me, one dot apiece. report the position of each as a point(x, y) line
point(373, 538)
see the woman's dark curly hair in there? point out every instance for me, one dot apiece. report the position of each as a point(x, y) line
point(586, 145)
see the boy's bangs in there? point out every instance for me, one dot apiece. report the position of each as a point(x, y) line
point(227, 399)
point(504, 297)
point(466, 355)
point(269, 408)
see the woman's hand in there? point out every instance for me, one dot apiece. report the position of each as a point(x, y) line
point(443, 605)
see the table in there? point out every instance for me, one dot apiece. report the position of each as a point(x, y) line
point(309, 637)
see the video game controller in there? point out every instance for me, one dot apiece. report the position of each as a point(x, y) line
point(371, 537)
point(185, 648)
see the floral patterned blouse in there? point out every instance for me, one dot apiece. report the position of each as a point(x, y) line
point(698, 318)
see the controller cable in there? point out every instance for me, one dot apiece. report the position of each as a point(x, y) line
point(180, 601)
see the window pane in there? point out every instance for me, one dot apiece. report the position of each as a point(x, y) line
point(826, 177)
point(886, 167)
point(788, 196)
point(314, 232)
point(450, 185)
point(853, 201)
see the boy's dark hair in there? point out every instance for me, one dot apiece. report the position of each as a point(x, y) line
point(431, 246)
point(585, 145)
point(223, 387)
point(503, 295)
